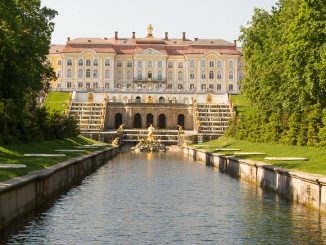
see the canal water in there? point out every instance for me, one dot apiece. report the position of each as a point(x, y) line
point(167, 198)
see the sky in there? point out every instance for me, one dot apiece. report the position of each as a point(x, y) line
point(198, 18)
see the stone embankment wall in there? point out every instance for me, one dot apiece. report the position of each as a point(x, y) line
point(23, 194)
point(307, 189)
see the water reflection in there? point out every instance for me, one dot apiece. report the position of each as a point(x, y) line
point(166, 198)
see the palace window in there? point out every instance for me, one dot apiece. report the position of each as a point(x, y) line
point(69, 73)
point(170, 75)
point(68, 84)
point(88, 62)
point(95, 73)
point(203, 87)
point(88, 85)
point(80, 84)
point(180, 75)
point(241, 64)
point(95, 85)
point(129, 75)
point(191, 86)
point(192, 75)
point(59, 74)
point(203, 64)
point(150, 75)
point(159, 64)
point(129, 64)
point(240, 75)
point(203, 75)
point(192, 64)
point(95, 63)
point(211, 75)
point(139, 76)
point(107, 74)
point(159, 76)
point(80, 62)
point(211, 86)
point(59, 62)
point(219, 65)
point(119, 75)
point(69, 62)
point(58, 85)
point(107, 63)
point(150, 64)
point(180, 65)
point(140, 64)
point(218, 87)
point(219, 75)
point(231, 65)
point(231, 75)
point(230, 87)
point(88, 73)
point(211, 64)
point(119, 64)
point(170, 65)
point(180, 86)
point(80, 73)
point(106, 85)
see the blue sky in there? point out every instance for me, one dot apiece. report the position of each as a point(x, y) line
point(199, 18)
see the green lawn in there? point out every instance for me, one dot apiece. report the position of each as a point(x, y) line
point(57, 101)
point(14, 154)
point(316, 163)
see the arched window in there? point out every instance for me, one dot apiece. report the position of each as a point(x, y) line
point(59, 74)
point(118, 120)
point(69, 62)
point(95, 73)
point(181, 120)
point(161, 100)
point(88, 73)
point(95, 85)
point(211, 75)
point(170, 75)
point(129, 64)
point(88, 62)
point(150, 64)
point(230, 75)
point(180, 65)
point(140, 63)
point(230, 87)
point(119, 64)
point(161, 121)
point(80, 73)
point(129, 75)
point(180, 75)
point(95, 63)
point(192, 75)
point(240, 75)
point(203, 75)
point(219, 75)
point(203, 63)
point(107, 73)
point(159, 64)
point(192, 64)
point(138, 99)
point(150, 75)
point(59, 62)
point(140, 76)
point(119, 75)
point(219, 65)
point(211, 64)
point(137, 120)
point(80, 62)
point(170, 65)
point(149, 120)
point(107, 63)
point(69, 73)
point(159, 76)
point(231, 65)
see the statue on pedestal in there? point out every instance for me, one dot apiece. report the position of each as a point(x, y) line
point(150, 136)
point(120, 130)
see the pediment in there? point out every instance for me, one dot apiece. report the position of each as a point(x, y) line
point(150, 52)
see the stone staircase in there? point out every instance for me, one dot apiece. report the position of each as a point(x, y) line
point(90, 115)
point(212, 119)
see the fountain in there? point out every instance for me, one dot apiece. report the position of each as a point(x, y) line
point(149, 143)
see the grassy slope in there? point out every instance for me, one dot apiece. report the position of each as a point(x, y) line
point(58, 101)
point(14, 154)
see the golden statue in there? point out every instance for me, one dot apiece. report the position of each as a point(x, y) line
point(180, 128)
point(115, 142)
point(150, 136)
point(150, 31)
point(120, 129)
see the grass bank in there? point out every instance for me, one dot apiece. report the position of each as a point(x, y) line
point(14, 154)
point(316, 163)
point(57, 101)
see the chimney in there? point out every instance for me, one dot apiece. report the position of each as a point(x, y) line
point(68, 39)
point(196, 38)
point(183, 36)
point(133, 35)
point(166, 36)
point(235, 42)
point(116, 35)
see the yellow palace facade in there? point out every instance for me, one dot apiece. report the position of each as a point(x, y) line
point(147, 64)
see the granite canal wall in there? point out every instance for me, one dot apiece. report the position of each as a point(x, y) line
point(299, 187)
point(20, 195)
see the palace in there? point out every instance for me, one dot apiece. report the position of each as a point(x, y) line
point(141, 81)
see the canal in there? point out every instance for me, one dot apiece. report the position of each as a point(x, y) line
point(167, 198)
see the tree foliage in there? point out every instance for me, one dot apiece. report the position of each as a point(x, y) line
point(25, 33)
point(285, 54)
